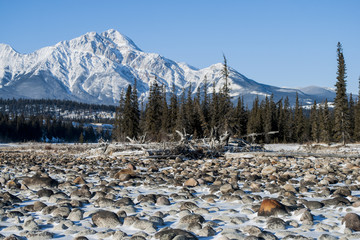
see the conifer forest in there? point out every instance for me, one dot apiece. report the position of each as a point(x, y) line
point(266, 121)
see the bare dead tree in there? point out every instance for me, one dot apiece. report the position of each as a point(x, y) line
point(184, 137)
point(253, 135)
point(224, 139)
point(139, 140)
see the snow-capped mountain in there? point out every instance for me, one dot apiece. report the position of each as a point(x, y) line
point(94, 68)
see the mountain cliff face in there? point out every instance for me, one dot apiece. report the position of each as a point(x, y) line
point(94, 68)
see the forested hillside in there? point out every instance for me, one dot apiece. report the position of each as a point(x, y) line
point(54, 121)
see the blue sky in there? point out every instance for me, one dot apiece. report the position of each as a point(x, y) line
point(281, 42)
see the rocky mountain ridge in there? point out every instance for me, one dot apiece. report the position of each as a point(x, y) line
point(94, 68)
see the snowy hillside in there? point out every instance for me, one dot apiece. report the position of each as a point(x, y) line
point(94, 68)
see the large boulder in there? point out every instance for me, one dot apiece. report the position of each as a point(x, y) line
point(191, 182)
point(105, 219)
point(76, 215)
point(194, 218)
point(271, 207)
point(39, 235)
point(162, 200)
point(82, 193)
point(276, 224)
point(125, 174)
point(352, 221)
point(38, 182)
point(169, 234)
point(268, 170)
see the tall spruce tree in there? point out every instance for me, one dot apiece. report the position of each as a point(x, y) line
point(205, 118)
point(189, 112)
point(142, 121)
point(165, 123)
point(225, 75)
point(205, 102)
point(135, 110)
point(128, 125)
point(351, 116)
point(215, 110)
point(240, 118)
point(299, 124)
point(205, 111)
point(198, 116)
point(288, 131)
point(173, 109)
point(181, 120)
point(314, 123)
point(154, 112)
point(281, 121)
point(357, 117)
point(254, 124)
point(325, 124)
point(341, 110)
point(131, 113)
point(267, 113)
point(224, 98)
point(270, 118)
point(118, 133)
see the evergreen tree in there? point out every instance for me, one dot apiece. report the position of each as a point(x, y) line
point(341, 110)
point(357, 117)
point(135, 110)
point(240, 118)
point(198, 117)
point(225, 75)
point(281, 121)
point(173, 109)
point(89, 135)
point(214, 112)
point(255, 119)
point(154, 112)
point(299, 125)
point(129, 119)
point(181, 120)
point(118, 132)
point(81, 138)
point(165, 123)
point(325, 124)
point(205, 102)
point(288, 122)
point(267, 117)
point(314, 123)
point(142, 122)
point(202, 127)
point(205, 117)
point(189, 112)
point(224, 99)
point(351, 117)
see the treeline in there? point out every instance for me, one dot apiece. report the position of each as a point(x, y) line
point(82, 112)
point(40, 128)
point(266, 122)
point(199, 114)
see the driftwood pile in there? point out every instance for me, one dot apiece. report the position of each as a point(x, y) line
point(187, 147)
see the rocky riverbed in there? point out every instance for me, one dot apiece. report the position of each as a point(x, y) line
point(83, 192)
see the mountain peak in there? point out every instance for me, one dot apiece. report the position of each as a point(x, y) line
point(5, 48)
point(95, 67)
point(119, 39)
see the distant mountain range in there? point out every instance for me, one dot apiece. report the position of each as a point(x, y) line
point(94, 68)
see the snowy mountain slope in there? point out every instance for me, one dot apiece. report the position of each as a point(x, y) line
point(319, 91)
point(94, 68)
